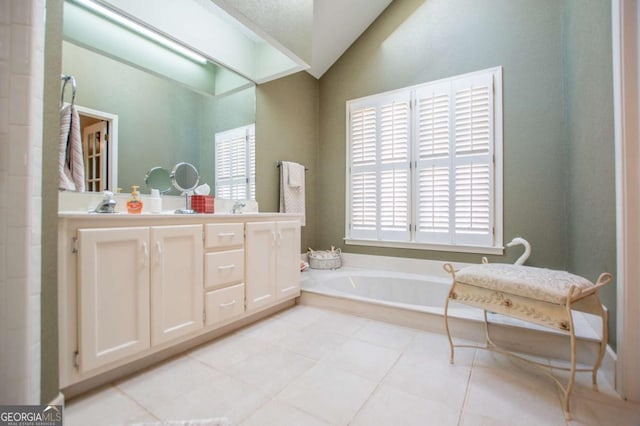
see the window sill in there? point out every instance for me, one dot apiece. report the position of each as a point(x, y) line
point(423, 246)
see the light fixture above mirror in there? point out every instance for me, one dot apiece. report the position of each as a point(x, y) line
point(140, 29)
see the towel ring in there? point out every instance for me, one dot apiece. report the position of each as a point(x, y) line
point(66, 79)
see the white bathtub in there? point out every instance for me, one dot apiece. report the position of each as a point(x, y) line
point(403, 290)
point(409, 298)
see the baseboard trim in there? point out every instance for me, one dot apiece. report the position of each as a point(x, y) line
point(58, 400)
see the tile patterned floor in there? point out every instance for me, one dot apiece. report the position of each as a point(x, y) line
point(310, 367)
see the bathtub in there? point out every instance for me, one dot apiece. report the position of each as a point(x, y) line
point(403, 290)
point(415, 298)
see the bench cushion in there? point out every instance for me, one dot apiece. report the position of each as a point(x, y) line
point(526, 281)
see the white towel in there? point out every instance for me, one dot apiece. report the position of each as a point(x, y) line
point(296, 174)
point(292, 197)
point(71, 160)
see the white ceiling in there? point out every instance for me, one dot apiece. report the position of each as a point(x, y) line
point(336, 25)
point(312, 33)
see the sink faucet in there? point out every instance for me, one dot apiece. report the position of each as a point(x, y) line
point(237, 207)
point(107, 205)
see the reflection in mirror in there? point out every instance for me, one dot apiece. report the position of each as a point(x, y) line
point(185, 178)
point(159, 96)
point(158, 178)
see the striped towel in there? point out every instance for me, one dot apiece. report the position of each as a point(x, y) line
point(71, 160)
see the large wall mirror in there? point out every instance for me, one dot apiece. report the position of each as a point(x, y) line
point(169, 107)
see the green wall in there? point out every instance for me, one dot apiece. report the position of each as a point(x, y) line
point(286, 129)
point(590, 135)
point(417, 41)
point(49, 271)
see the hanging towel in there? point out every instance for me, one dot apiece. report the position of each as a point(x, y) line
point(71, 160)
point(292, 197)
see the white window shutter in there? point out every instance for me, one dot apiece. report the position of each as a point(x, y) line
point(379, 154)
point(447, 131)
point(473, 164)
point(363, 215)
point(433, 157)
point(394, 154)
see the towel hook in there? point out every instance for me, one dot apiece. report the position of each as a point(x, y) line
point(66, 78)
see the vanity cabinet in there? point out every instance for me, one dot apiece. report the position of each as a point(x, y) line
point(273, 262)
point(176, 277)
point(134, 289)
point(113, 295)
point(224, 272)
point(138, 287)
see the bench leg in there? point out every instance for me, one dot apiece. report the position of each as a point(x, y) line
point(572, 373)
point(446, 324)
point(603, 344)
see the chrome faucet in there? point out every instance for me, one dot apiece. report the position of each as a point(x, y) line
point(107, 205)
point(237, 207)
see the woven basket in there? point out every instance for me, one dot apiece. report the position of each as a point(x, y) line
point(325, 259)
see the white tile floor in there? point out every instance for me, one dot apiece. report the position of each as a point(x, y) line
point(308, 366)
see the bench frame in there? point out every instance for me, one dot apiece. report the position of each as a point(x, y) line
point(553, 315)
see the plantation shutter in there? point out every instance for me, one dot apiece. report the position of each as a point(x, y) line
point(251, 138)
point(379, 168)
point(424, 163)
point(433, 158)
point(472, 165)
point(235, 163)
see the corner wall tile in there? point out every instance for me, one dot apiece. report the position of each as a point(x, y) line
point(19, 108)
point(5, 12)
point(4, 79)
point(4, 115)
point(21, 12)
point(21, 50)
point(17, 253)
point(34, 282)
point(4, 161)
point(15, 292)
point(19, 150)
point(5, 42)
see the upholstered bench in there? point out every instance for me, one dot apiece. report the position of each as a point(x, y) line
point(541, 296)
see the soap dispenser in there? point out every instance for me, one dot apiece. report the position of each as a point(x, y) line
point(134, 205)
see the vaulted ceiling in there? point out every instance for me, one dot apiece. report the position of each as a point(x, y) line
point(314, 33)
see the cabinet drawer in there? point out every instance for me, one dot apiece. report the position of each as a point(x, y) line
point(224, 304)
point(221, 235)
point(223, 267)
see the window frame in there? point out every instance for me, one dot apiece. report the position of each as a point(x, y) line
point(497, 185)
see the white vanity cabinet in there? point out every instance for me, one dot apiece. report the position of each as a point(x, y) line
point(273, 262)
point(134, 289)
point(176, 281)
point(138, 286)
point(113, 295)
point(224, 272)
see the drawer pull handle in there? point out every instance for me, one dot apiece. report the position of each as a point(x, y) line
point(226, 234)
point(227, 266)
point(224, 305)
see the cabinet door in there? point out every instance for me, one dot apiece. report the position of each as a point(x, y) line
point(288, 259)
point(113, 294)
point(260, 264)
point(176, 281)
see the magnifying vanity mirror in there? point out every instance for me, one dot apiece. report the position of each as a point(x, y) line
point(185, 178)
point(159, 178)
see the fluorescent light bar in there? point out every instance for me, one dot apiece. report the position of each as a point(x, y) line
point(134, 26)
